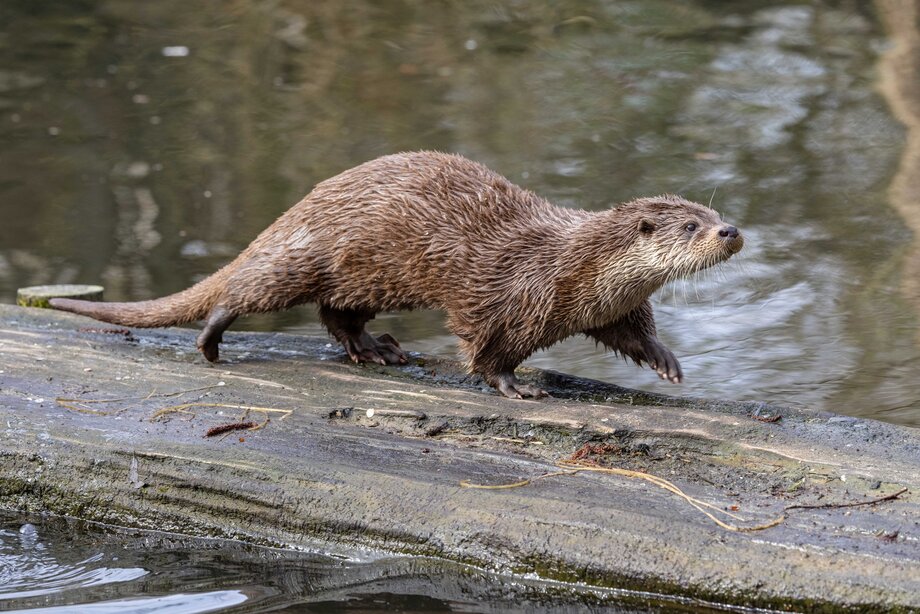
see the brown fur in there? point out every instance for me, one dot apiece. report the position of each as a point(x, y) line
point(513, 273)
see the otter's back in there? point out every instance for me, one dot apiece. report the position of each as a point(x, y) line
point(411, 230)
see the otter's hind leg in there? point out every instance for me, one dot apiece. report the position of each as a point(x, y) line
point(347, 325)
point(218, 321)
point(497, 367)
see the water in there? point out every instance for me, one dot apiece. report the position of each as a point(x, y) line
point(143, 146)
point(58, 566)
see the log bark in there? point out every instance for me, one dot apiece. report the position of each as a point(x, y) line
point(323, 472)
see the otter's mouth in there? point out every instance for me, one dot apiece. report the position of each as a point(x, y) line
point(734, 245)
point(728, 242)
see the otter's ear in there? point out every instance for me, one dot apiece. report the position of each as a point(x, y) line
point(646, 226)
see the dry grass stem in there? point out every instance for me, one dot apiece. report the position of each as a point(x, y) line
point(571, 468)
point(73, 404)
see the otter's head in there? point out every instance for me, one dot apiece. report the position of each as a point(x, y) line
point(678, 237)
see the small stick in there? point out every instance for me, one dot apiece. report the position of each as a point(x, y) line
point(468, 484)
point(802, 506)
point(670, 487)
point(522, 442)
point(178, 392)
point(174, 408)
point(572, 467)
point(67, 403)
point(83, 410)
point(395, 413)
point(262, 424)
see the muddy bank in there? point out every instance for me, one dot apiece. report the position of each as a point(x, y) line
point(375, 457)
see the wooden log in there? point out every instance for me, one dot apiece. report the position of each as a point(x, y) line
point(38, 296)
point(106, 424)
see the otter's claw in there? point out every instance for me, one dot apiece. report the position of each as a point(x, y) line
point(663, 361)
point(384, 350)
point(511, 387)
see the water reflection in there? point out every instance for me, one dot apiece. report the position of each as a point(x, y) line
point(143, 146)
point(65, 566)
point(170, 604)
point(29, 569)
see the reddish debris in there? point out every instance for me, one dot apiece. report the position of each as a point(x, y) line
point(226, 428)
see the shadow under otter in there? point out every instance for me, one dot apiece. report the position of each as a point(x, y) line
point(513, 273)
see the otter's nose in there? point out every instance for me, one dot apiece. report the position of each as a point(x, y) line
point(728, 232)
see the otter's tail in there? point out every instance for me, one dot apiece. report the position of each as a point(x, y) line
point(192, 304)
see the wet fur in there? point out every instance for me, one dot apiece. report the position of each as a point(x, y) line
point(428, 230)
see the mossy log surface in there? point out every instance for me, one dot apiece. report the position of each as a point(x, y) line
point(38, 296)
point(328, 475)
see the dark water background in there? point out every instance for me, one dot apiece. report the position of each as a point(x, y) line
point(144, 144)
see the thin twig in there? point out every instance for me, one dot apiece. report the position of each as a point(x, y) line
point(573, 467)
point(264, 423)
point(665, 484)
point(83, 410)
point(803, 506)
point(468, 484)
point(68, 403)
point(175, 408)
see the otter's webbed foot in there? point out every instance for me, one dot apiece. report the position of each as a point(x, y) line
point(663, 361)
point(511, 387)
point(384, 350)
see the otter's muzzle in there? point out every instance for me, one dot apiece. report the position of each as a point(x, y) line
point(732, 238)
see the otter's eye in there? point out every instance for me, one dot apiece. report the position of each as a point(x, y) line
point(690, 227)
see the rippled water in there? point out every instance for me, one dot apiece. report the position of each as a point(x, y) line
point(28, 569)
point(144, 146)
point(58, 566)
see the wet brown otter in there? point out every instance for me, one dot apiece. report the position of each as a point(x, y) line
point(513, 273)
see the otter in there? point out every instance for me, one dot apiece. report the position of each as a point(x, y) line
point(513, 272)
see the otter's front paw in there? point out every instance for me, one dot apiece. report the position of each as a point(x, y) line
point(663, 361)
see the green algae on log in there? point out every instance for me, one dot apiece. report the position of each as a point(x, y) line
point(38, 296)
